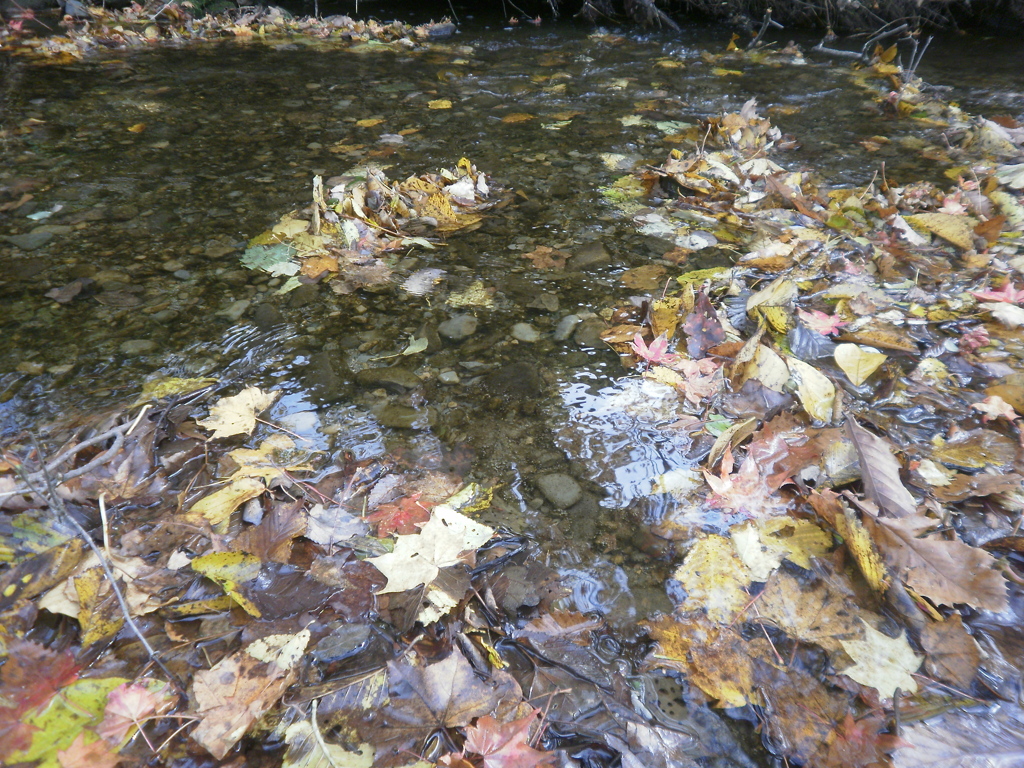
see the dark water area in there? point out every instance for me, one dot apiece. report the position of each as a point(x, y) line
point(151, 171)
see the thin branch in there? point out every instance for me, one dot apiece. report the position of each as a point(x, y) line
point(319, 736)
point(766, 24)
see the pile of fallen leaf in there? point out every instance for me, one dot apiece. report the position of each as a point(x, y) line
point(359, 218)
point(140, 26)
point(867, 336)
point(267, 603)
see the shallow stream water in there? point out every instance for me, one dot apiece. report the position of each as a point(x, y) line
point(151, 170)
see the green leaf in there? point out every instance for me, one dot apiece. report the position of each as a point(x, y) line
point(77, 707)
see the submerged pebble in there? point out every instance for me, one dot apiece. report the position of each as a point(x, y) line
point(560, 489)
point(137, 347)
point(525, 332)
point(565, 327)
point(458, 327)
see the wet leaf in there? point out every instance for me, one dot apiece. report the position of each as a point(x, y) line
point(960, 739)
point(882, 662)
point(977, 449)
point(948, 571)
point(655, 354)
point(820, 614)
point(1008, 293)
point(240, 688)
point(957, 229)
point(218, 506)
point(880, 472)
point(86, 752)
point(702, 327)
point(952, 654)
point(440, 543)
point(804, 712)
point(230, 570)
point(649, 277)
point(715, 579)
point(506, 745)
point(329, 525)
point(1009, 315)
point(129, 705)
point(665, 316)
point(817, 394)
point(716, 659)
point(857, 362)
point(41, 573)
point(236, 415)
point(544, 257)
point(994, 407)
point(171, 387)
point(305, 751)
point(820, 322)
point(403, 516)
point(425, 698)
point(54, 726)
point(475, 296)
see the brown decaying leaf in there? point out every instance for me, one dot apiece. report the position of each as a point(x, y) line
point(802, 712)
point(953, 655)
point(545, 257)
point(272, 538)
point(236, 691)
point(716, 659)
point(947, 571)
point(880, 472)
point(427, 698)
point(967, 486)
point(821, 614)
point(702, 327)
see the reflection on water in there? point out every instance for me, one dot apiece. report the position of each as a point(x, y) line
point(623, 434)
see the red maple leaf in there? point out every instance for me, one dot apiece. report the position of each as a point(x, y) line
point(656, 353)
point(127, 706)
point(403, 516)
point(1007, 293)
point(29, 678)
point(508, 745)
point(860, 744)
point(818, 321)
point(33, 674)
point(96, 754)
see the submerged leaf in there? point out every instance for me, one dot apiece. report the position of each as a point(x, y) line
point(882, 662)
point(881, 472)
point(857, 362)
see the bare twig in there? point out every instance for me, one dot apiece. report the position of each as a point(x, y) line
point(319, 737)
point(915, 58)
point(766, 24)
point(865, 51)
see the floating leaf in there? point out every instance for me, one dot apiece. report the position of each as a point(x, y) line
point(236, 415)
